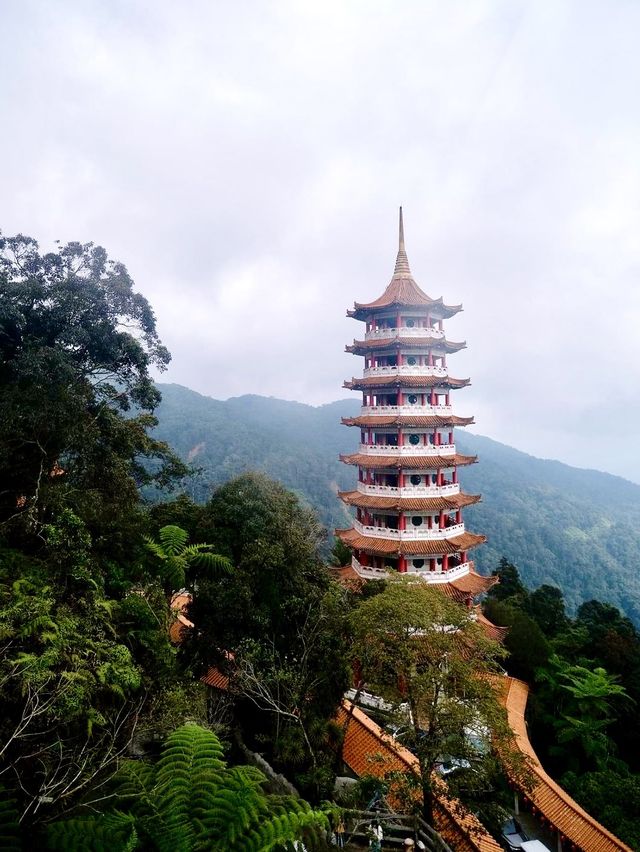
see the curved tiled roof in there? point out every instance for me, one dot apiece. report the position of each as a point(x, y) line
point(368, 750)
point(399, 504)
point(408, 420)
point(421, 547)
point(360, 347)
point(408, 462)
point(554, 803)
point(405, 381)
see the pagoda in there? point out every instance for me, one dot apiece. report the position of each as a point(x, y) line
point(408, 501)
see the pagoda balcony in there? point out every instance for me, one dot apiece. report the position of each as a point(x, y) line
point(410, 490)
point(406, 370)
point(408, 449)
point(367, 572)
point(439, 576)
point(411, 534)
point(416, 410)
point(403, 331)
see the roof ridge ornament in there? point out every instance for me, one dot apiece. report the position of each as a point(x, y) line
point(402, 263)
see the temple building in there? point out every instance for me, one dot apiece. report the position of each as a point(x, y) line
point(408, 501)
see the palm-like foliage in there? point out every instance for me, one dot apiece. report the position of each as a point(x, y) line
point(190, 801)
point(182, 561)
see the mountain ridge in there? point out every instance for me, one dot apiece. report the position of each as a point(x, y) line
point(572, 527)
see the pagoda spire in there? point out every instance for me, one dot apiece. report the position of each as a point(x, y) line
point(402, 263)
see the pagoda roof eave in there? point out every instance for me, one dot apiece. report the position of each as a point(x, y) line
point(408, 420)
point(362, 310)
point(360, 347)
point(405, 381)
point(408, 462)
point(416, 547)
point(373, 501)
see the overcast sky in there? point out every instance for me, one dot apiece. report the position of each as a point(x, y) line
point(246, 161)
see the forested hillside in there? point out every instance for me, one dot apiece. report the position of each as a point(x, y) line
point(578, 529)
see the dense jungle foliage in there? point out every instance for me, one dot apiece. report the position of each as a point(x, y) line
point(584, 707)
point(89, 680)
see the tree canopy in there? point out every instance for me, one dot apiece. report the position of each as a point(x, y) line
point(415, 645)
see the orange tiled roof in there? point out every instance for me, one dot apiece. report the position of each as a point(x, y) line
point(491, 630)
point(404, 292)
point(554, 803)
point(368, 750)
point(360, 347)
point(215, 678)
point(181, 624)
point(398, 504)
point(422, 547)
point(348, 577)
point(408, 462)
point(408, 420)
point(405, 381)
point(474, 584)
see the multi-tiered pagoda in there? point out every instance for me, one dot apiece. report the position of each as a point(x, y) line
point(409, 503)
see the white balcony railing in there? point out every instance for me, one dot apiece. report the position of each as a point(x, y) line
point(403, 331)
point(406, 370)
point(368, 573)
point(440, 576)
point(416, 410)
point(410, 490)
point(410, 534)
point(407, 449)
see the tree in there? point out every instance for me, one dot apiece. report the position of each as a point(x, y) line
point(190, 800)
point(181, 562)
point(340, 554)
point(416, 645)
point(546, 606)
point(282, 620)
point(76, 347)
point(83, 623)
point(527, 646)
point(612, 796)
point(510, 585)
point(579, 704)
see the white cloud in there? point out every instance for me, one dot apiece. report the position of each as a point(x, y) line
point(246, 161)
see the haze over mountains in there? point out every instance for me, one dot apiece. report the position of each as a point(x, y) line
point(577, 529)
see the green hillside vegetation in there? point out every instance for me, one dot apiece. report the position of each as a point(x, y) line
point(577, 529)
point(584, 708)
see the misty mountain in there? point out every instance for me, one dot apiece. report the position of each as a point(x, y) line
point(576, 529)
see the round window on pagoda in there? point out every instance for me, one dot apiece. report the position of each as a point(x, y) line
point(411, 361)
point(410, 323)
point(415, 479)
point(418, 563)
point(416, 520)
point(412, 399)
point(414, 439)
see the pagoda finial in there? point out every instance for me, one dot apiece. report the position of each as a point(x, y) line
point(402, 262)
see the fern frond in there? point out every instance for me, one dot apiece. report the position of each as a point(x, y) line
point(213, 562)
point(173, 539)
point(154, 548)
point(113, 832)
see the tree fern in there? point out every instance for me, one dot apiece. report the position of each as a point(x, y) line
point(177, 557)
point(191, 801)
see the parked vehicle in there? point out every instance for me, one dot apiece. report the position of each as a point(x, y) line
point(513, 834)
